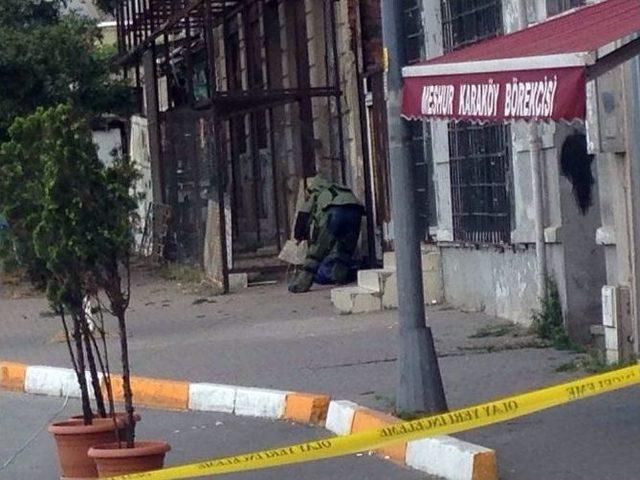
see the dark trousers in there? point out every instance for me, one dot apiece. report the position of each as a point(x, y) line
point(336, 237)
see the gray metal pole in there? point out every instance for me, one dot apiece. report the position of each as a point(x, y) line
point(419, 384)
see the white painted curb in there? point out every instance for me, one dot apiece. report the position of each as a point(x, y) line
point(445, 457)
point(442, 456)
point(256, 402)
point(210, 397)
point(340, 416)
point(57, 382)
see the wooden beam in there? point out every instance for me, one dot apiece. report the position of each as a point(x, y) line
point(614, 59)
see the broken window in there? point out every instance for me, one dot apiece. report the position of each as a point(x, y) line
point(480, 158)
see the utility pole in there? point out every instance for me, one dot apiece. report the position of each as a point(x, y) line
point(419, 384)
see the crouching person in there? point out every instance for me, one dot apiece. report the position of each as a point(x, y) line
point(330, 220)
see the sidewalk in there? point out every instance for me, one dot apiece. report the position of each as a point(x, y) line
point(192, 435)
point(266, 337)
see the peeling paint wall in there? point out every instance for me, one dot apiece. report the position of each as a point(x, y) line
point(500, 281)
point(489, 280)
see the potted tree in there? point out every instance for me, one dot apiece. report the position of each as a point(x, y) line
point(75, 231)
point(86, 234)
point(113, 274)
point(49, 252)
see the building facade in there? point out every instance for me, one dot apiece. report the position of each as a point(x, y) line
point(238, 96)
point(243, 101)
point(484, 225)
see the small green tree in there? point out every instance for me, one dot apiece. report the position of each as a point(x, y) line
point(51, 57)
point(76, 216)
point(548, 322)
point(21, 193)
point(85, 231)
point(113, 266)
point(63, 237)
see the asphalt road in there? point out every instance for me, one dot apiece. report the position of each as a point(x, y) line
point(192, 435)
point(266, 337)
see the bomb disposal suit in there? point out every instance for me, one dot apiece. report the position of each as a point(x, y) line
point(329, 219)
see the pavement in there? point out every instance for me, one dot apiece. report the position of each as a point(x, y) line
point(265, 337)
point(192, 436)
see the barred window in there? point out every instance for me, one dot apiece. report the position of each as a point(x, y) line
point(413, 30)
point(558, 6)
point(479, 176)
point(420, 146)
point(469, 21)
point(480, 158)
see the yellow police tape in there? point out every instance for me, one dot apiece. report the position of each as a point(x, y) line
point(446, 423)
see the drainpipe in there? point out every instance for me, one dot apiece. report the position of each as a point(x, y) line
point(535, 146)
point(538, 206)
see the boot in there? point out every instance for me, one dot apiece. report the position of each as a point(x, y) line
point(302, 282)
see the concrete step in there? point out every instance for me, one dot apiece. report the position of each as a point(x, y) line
point(389, 260)
point(238, 281)
point(374, 279)
point(378, 288)
point(431, 282)
point(350, 300)
point(430, 259)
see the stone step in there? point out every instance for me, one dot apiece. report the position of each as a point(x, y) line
point(350, 300)
point(378, 288)
point(238, 281)
point(389, 260)
point(430, 260)
point(374, 279)
point(431, 282)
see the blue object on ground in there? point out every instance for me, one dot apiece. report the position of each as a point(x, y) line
point(325, 271)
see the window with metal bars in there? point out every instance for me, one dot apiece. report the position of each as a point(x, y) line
point(419, 133)
point(479, 162)
point(480, 157)
point(558, 6)
point(413, 31)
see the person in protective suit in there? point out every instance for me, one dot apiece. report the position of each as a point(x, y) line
point(329, 219)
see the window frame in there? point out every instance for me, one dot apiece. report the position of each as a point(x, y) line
point(480, 157)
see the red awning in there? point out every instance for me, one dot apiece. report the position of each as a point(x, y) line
point(538, 73)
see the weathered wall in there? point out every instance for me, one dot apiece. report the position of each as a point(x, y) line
point(503, 283)
point(584, 260)
point(287, 125)
point(432, 19)
point(608, 137)
point(107, 141)
point(500, 283)
point(141, 157)
point(632, 98)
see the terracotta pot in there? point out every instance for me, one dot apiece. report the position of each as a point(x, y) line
point(73, 440)
point(120, 415)
point(112, 461)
